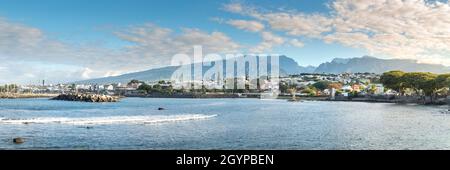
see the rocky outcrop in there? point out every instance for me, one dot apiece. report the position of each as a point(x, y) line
point(18, 140)
point(86, 98)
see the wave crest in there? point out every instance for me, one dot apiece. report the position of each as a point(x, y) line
point(109, 120)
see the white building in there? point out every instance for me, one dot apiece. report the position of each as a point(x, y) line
point(379, 89)
point(109, 87)
point(347, 88)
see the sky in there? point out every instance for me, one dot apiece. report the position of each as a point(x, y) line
point(70, 40)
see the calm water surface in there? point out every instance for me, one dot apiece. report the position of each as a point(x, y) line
point(136, 123)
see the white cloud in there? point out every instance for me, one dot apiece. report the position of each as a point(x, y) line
point(417, 29)
point(234, 7)
point(154, 46)
point(86, 73)
point(28, 45)
point(14, 36)
point(292, 23)
point(32, 73)
point(252, 26)
point(296, 43)
point(403, 29)
point(298, 24)
point(269, 40)
point(151, 46)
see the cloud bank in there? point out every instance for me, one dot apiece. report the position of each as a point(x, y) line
point(417, 29)
point(413, 29)
point(29, 56)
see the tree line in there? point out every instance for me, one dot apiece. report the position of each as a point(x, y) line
point(9, 88)
point(424, 84)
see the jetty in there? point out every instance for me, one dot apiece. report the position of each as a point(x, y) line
point(94, 98)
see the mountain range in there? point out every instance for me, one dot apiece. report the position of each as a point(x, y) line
point(376, 65)
point(289, 66)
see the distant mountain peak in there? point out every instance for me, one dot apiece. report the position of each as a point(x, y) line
point(368, 57)
point(377, 65)
point(288, 66)
point(340, 60)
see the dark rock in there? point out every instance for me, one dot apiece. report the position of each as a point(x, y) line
point(86, 98)
point(18, 140)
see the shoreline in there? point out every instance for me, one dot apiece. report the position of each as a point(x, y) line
point(410, 100)
point(317, 98)
point(26, 95)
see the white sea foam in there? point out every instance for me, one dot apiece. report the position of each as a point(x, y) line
point(109, 119)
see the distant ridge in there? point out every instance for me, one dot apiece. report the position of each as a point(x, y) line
point(376, 65)
point(289, 66)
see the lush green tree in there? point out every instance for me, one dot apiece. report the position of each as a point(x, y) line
point(321, 85)
point(372, 89)
point(309, 91)
point(421, 81)
point(170, 89)
point(145, 87)
point(393, 80)
point(157, 88)
point(9, 88)
point(284, 87)
point(133, 82)
point(73, 87)
point(443, 81)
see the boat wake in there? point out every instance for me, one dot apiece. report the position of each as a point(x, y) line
point(109, 120)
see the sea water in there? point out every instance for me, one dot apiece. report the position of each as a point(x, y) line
point(136, 123)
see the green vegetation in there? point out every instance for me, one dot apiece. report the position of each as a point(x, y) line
point(392, 80)
point(310, 90)
point(284, 87)
point(322, 85)
point(162, 87)
point(9, 88)
point(422, 83)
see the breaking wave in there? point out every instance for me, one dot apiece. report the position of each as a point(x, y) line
point(109, 120)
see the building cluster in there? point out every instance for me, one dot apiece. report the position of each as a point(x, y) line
point(346, 84)
point(114, 88)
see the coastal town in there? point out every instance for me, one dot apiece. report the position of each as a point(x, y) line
point(307, 85)
point(242, 77)
point(315, 86)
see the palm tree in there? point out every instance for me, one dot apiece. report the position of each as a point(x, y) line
point(293, 91)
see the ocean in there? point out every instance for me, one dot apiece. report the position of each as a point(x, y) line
point(137, 124)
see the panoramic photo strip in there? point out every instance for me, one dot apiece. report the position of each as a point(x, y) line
point(224, 83)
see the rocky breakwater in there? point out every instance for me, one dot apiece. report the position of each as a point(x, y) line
point(86, 98)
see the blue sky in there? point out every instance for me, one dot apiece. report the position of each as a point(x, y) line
point(70, 32)
point(87, 21)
